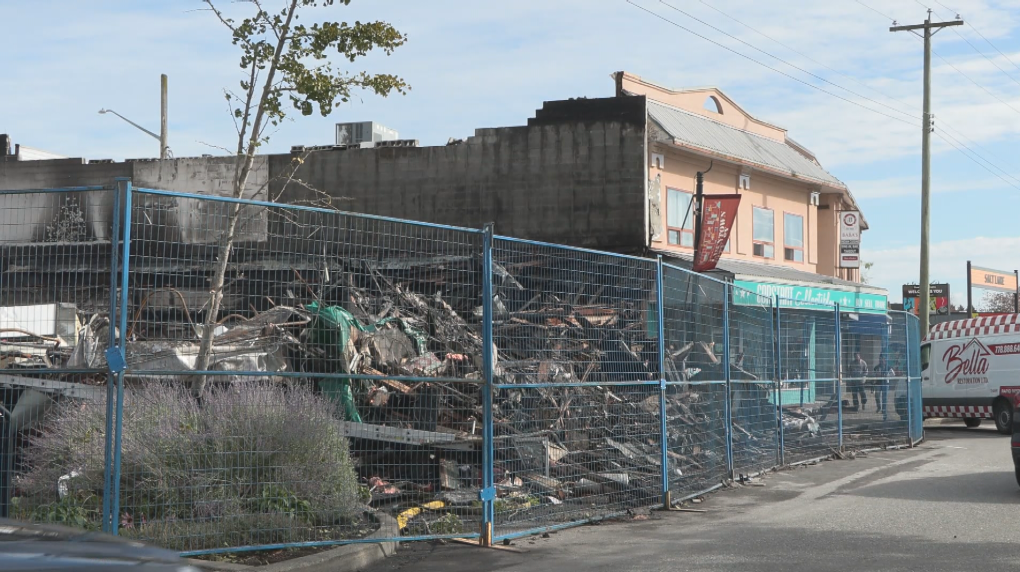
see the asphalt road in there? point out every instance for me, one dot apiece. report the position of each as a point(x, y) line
point(950, 504)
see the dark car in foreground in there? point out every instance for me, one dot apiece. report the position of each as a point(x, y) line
point(28, 547)
point(1015, 444)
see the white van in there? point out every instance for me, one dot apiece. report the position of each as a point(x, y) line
point(970, 369)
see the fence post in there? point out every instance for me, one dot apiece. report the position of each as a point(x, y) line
point(906, 363)
point(839, 378)
point(667, 501)
point(111, 342)
point(777, 347)
point(116, 359)
point(726, 376)
point(487, 494)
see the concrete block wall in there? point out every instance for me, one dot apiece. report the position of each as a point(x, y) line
point(574, 175)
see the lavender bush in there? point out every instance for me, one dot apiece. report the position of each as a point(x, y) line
point(254, 463)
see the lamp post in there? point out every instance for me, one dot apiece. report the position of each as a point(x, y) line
point(162, 137)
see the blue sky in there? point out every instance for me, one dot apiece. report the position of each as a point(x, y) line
point(484, 64)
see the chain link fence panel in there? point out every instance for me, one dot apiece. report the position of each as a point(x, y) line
point(576, 409)
point(300, 376)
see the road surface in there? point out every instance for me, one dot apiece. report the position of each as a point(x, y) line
point(950, 504)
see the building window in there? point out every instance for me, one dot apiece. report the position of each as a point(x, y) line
point(763, 233)
point(793, 237)
point(678, 208)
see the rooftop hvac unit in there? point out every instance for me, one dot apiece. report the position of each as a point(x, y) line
point(363, 132)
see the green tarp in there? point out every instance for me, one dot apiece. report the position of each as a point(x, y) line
point(331, 327)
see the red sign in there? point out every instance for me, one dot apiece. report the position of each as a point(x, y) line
point(966, 362)
point(1012, 392)
point(718, 213)
point(1004, 349)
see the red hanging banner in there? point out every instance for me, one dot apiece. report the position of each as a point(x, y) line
point(718, 214)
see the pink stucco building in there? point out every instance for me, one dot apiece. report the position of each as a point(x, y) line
point(788, 213)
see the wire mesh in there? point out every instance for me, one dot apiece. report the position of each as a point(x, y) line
point(753, 406)
point(338, 393)
point(874, 350)
point(574, 453)
point(303, 375)
point(52, 449)
point(55, 276)
point(696, 391)
point(808, 395)
point(564, 315)
point(55, 250)
point(576, 412)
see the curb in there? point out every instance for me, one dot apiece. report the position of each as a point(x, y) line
point(343, 558)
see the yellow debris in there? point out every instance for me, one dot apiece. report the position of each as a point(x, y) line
point(404, 517)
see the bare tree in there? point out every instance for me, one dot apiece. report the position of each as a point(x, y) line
point(998, 302)
point(284, 60)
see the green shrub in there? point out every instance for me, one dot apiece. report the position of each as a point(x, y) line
point(255, 462)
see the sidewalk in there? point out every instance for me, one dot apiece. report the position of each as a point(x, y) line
point(649, 540)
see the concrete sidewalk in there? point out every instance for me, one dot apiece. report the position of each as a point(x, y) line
point(946, 505)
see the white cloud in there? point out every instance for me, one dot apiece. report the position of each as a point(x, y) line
point(911, 186)
point(489, 66)
point(895, 267)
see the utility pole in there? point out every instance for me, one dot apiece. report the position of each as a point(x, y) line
point(162, 116)
point(930, 29)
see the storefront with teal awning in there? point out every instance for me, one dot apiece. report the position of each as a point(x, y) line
point(808, 317)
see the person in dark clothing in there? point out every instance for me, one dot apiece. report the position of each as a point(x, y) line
point(858, 375)
point(880, 386)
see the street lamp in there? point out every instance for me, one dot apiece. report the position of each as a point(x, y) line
point(131, 122)
point(163, 148)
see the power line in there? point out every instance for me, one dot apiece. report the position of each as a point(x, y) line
point(983, 166)
point(882, 14)
point(989, 42)
point(978, 32)
point(959, 71)
point(971, 80)
point(985, 160)
point(765, 65)
point(809, 58)
point(777, 58)
point(948, 127)
point(975, 48)
point(959, 146)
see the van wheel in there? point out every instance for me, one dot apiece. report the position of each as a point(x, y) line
point(1003, 412)
point(972, 422)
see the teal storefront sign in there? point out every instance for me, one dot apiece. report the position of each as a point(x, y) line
point(749, 293)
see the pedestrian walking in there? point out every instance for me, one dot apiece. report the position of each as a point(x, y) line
point(880, 386)
point(858, 375)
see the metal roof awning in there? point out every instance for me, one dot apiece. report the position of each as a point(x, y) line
point(693, 130)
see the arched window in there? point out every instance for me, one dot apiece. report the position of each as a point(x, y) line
point(712, 104)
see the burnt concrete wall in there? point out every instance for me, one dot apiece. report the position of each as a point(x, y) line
point(16, 175)
point(575, 175)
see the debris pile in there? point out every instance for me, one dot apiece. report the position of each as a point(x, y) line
point(398, 346)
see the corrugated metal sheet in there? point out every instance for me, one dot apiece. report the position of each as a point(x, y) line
point(701, 132)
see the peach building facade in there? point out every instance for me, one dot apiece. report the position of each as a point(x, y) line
point(788, 211)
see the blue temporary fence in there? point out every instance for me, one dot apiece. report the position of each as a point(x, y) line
point(215, 374)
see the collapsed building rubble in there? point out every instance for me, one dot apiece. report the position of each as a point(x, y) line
point(576, 413)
